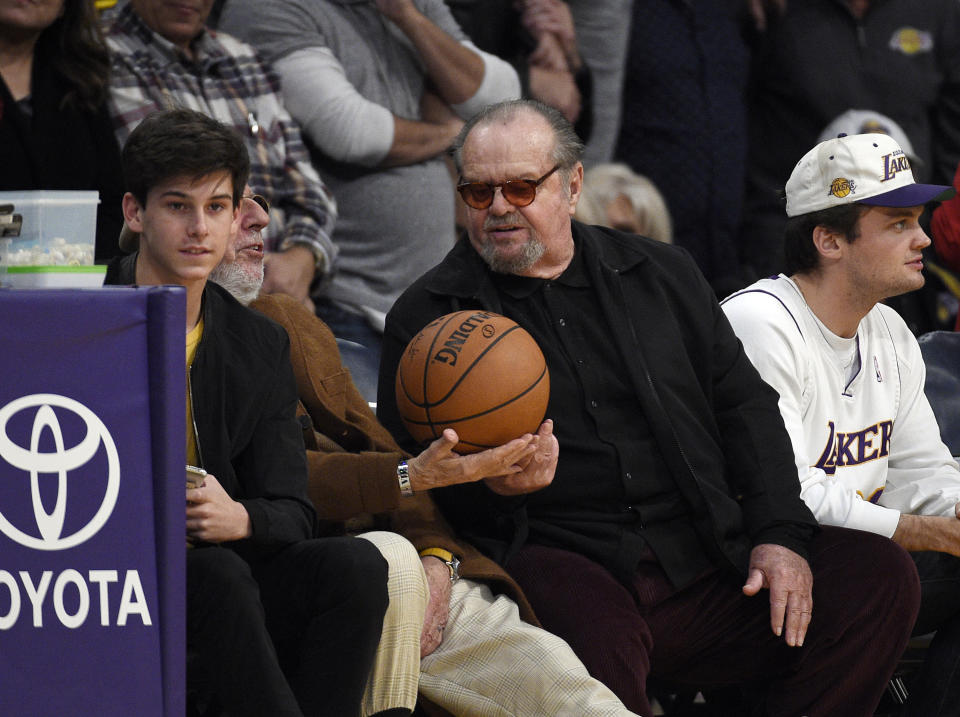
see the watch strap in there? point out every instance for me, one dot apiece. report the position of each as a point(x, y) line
point(448, 559)
point(403, 478)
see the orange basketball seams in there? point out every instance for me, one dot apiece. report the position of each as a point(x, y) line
point(476, 372)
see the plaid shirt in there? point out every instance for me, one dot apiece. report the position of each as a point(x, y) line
point(229, 82)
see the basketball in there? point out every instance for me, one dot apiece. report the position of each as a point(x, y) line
point(476, 372)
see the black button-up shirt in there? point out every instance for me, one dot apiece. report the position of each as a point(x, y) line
point(613, 497)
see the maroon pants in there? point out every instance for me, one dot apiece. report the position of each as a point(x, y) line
point(865, 600)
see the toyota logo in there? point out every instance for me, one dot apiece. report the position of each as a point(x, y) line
point(59, 462)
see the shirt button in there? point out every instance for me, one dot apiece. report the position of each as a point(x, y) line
point(579, 362)
point(628, 476)
point(627, 508)
point(563, 322)
point(593, 404)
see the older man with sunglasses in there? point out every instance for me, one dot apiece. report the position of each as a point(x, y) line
point(457, 629)
point(672, 504)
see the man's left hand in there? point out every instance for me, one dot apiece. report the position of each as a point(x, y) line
point(213, 516)
point(438, 606)
point(290, 272)
point(552, 17)
point(537, 469)
point(790, 582)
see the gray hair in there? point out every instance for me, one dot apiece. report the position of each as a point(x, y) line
point(603, 183)
point(567, 148)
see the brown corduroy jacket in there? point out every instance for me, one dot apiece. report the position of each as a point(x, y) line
point(352, 459)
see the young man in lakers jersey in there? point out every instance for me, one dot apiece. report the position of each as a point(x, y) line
point(850, 374)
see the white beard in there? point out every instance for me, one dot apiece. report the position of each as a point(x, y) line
point(243, 285)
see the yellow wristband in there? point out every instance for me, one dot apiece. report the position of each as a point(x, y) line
point(445, 555)
point(448, 558)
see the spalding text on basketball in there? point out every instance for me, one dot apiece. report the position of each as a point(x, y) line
point(455, 341)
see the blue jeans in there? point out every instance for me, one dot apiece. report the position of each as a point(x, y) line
point(359, 346)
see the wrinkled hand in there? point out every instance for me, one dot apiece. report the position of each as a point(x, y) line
point(760, 11)
point(552, 18)
point(538, 468)
point(290, 272)
point(438, 606)
point(439, 466)
point(790, 582)
point(548, 55)
point(213, 516)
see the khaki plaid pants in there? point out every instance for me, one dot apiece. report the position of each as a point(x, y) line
point(490, 663)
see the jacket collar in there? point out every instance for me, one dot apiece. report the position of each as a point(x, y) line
point(122, 270)
point(464, 274)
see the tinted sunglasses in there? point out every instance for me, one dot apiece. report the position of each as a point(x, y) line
point(519, 192)
point(261, 201)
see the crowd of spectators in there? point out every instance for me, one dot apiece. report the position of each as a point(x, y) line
point(163, 57)
point(693, 114)
point(347, 108)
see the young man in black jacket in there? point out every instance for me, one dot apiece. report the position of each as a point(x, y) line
point(283, 623)
point(672, 504)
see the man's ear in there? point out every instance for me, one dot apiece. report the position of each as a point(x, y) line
point(132, 213)
point(829, 243)
point(575, 187)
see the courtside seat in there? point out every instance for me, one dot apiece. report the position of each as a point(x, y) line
point(941, 354)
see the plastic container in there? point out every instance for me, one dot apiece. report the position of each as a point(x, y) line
point(54, 277)
point(49, 228)
point(4, 249)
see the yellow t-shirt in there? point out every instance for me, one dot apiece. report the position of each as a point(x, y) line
point(193, 340)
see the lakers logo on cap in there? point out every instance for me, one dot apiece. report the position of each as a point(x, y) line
point(841, 187)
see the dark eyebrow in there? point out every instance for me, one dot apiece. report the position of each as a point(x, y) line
point(183, 195)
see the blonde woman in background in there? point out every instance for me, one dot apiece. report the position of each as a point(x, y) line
point(615, 196)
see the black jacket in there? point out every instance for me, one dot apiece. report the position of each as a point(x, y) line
point(244, 406)
point(716, 422)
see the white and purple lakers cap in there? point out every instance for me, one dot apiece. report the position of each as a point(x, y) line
point(865, 168)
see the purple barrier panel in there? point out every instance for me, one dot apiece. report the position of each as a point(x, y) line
point(90, 590)
point(167, 378)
